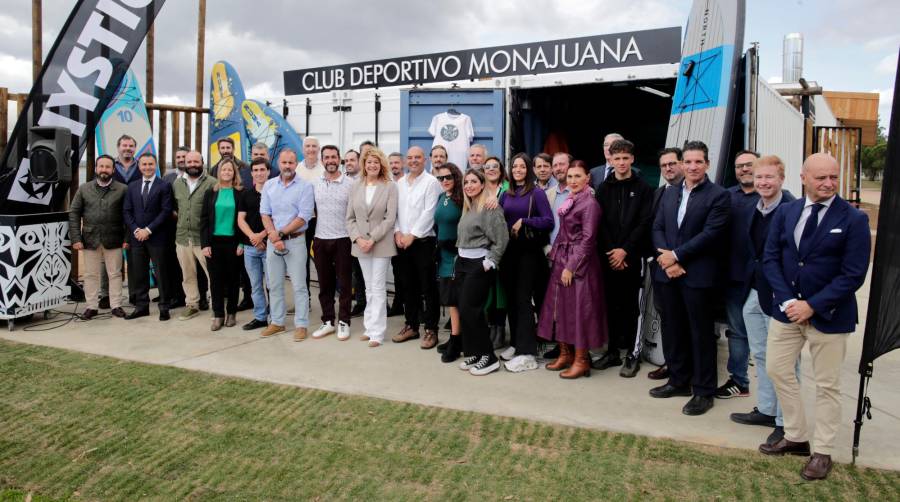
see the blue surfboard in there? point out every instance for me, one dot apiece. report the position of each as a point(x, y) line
point(226, 93)
point(126, 114)
point(265, 125)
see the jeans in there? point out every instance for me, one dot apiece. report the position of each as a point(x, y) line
point(292, 265)
point(738, 348)
point(374, 271)
point(255, 263)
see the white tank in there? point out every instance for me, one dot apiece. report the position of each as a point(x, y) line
point(792, 58)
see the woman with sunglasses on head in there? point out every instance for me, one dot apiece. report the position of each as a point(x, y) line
point(220, 244)
point(495, 186)
point(481, 238)
point(371, 213)
point(530, 220)
point(574, 312)
point(446, 219)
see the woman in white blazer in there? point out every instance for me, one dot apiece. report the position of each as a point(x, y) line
point(371, 214)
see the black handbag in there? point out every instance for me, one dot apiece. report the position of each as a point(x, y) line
point(538, 238)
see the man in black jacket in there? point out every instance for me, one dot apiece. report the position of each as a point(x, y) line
point(626, 201)
point(688, 232)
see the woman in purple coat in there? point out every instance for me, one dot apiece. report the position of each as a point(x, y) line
point(574, 312)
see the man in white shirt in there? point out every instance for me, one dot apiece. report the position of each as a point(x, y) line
point(418, 194)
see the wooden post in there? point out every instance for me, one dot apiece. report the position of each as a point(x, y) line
point(148, 90)
point(187, 131)
point(201, 41)
point(4, 116)
point(176, 130)
point(162, 141)
point(36, 53)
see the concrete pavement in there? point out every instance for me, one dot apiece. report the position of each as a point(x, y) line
point(404, 372)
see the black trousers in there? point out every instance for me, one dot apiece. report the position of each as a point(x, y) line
point(689, 341)
point(623, 305)
point(334, 268)
point(310, 234)
point(399, 288)
point(520, 276)
point(139, 258)
point(474, 284)
point(359, 284)
point(419, 270)
point(223, 275)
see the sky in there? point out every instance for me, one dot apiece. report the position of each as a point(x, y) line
point(850, 45)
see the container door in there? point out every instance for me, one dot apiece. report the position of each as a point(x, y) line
point(484, 106)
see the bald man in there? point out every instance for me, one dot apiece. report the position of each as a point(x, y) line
point(816, 257)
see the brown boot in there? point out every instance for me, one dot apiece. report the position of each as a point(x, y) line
point(564, 360)
point(581, 365)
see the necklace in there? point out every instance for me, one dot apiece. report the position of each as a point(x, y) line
point(446, 200)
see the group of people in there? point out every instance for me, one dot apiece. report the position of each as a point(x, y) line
point(555, 250)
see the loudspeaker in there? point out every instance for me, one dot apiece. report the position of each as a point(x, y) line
point(50, 154)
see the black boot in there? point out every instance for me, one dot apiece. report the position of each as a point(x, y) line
point(453, 350)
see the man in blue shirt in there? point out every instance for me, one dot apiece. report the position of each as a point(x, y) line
point(286, 206)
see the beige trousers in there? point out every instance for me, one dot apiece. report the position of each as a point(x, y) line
point(94, 260)
point(783, 348)
point(186, 255)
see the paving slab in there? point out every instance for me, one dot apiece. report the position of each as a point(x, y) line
point(404, 372)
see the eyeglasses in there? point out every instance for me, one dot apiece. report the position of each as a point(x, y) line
point(668, 164)
point(492, 166)
point(745, 165)
point(446, 177)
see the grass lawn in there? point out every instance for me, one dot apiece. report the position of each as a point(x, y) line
point(867, 184)
point(94, 428)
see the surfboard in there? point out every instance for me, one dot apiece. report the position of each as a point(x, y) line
point(703, 106)
point(226, 93)
point(265, 125)
point(126, 114)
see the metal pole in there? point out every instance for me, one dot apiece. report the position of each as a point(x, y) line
point(36, 53)
point(201, 40)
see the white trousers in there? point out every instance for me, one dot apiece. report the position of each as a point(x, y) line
point(374, 272)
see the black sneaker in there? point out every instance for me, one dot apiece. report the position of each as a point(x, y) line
point(753, 418)
point(776, 435)
point(731, 389)
point(468, 363)
point(630, 368)
point(608, 360)
point(486, 364)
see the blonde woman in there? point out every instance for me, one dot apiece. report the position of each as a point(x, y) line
point(220, 243)
point(481, 240)
point(371, 213)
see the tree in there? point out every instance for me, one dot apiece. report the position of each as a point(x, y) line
point(874, 157)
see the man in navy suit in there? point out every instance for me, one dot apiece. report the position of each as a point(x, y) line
point(148, 206)
point(816, 257)
point(689, 231)
point(750, 224)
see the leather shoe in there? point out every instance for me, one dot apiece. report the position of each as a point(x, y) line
point(817, 468)
point(164, 315)
point(698, 405)
point(785, 447)
point(429, 340)
point(118, 312)
point(669, 390)
point(405, 334)
point(608, 360)
point(660, 373)
point(753, 418)
point(138, 313)
point(88, 314)
point(254, 324)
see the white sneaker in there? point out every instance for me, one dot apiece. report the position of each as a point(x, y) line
point(521, 363)
point(343, 331)
point(508, 353)
point(326, 329)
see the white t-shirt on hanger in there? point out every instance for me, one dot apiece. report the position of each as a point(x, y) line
point(455, 133)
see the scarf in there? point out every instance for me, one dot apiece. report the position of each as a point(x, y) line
point(570, 201)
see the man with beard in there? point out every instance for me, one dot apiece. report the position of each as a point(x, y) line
point(189, 192)
point(331, 247)
point(96, 229)
point(178, 172)
point(438, 157)
point(477, 154)
point(395, 163)
point(286, 206)
point(126, 166)
point(351, 164)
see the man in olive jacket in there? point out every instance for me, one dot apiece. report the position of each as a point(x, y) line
point(97, 230)
point(189, 192)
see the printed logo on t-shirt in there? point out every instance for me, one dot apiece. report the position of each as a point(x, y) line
point(449, 132)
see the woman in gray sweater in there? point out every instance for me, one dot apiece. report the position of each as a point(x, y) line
point(481, 240)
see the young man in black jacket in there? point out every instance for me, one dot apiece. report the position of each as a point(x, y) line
point(624, 231)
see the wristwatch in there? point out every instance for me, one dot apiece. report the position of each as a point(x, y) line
point(280, 234)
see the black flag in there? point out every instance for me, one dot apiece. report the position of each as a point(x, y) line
point(80, 76)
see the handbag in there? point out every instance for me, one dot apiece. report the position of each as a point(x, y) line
point(538, 238)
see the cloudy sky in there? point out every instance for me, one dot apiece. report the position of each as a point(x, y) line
point(851, 45)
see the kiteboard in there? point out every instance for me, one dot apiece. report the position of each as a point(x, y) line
point(126, 114)
point(265, 125)
point(703, 106)
point(226, 93)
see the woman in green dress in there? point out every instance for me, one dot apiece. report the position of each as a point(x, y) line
point(446, 218)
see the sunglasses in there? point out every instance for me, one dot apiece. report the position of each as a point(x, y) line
point(446, 177)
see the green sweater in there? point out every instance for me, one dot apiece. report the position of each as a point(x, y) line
point(190, 207)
